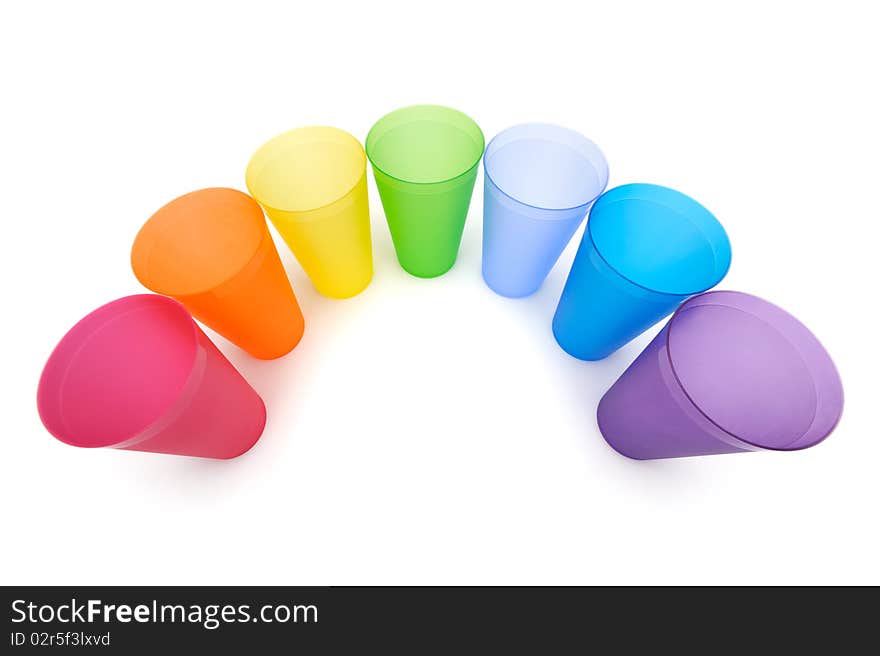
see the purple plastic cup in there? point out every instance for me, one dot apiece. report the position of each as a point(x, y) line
point(729, 372)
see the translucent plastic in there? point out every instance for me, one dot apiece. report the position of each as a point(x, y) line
point(212, 251)
point(540, 181)
point(729, 372)
point(645, 250)
point(425, 160)
point(139, 374)
point(313, 183)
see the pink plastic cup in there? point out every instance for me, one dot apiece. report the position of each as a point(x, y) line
point(139, 374)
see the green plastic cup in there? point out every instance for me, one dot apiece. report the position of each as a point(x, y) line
point(425, 160)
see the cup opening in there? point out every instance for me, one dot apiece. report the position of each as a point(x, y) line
point(754, 371)
point(659, 239)
point(425, 144)
point(198, 241)
point(118, 371)
point(546, 166)
point(306, 169)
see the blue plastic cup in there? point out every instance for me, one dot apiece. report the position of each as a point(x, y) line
point(645, 250)
point(540, 181)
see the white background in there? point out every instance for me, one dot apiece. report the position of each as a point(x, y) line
point(431, 431)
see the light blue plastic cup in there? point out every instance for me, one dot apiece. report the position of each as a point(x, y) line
point(645, 250)
point(540, 182)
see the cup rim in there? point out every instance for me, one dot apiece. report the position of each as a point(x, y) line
point(791, 321)
point(248, 178)
point(444, 108)
point(561, 128)
point(588, 233)
point(143, 245)
point(58, 365)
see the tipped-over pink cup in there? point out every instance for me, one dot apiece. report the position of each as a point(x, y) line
point(139, 374)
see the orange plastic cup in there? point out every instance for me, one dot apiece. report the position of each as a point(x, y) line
point(212, 251)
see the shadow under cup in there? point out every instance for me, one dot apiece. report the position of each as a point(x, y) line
point(729, 372)
point(645, 250)
point(540, 181)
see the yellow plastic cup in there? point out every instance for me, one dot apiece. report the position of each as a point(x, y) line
point(312, 182)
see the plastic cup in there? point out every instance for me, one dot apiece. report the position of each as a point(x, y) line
point(645, 250)
point(729, 372)
point(139, 374)
point(212, 251)
point(425, 160)
point(313, 184)
point(540, 181)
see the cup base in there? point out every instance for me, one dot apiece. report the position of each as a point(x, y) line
point(258, 429)
point(582, 358)
point(608, 441)
point(507, 294)
point(423, 275)
point(347, 294)
point(258, 433)
point(282, 353)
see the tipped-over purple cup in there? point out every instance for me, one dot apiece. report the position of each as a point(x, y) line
point(729, 372)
